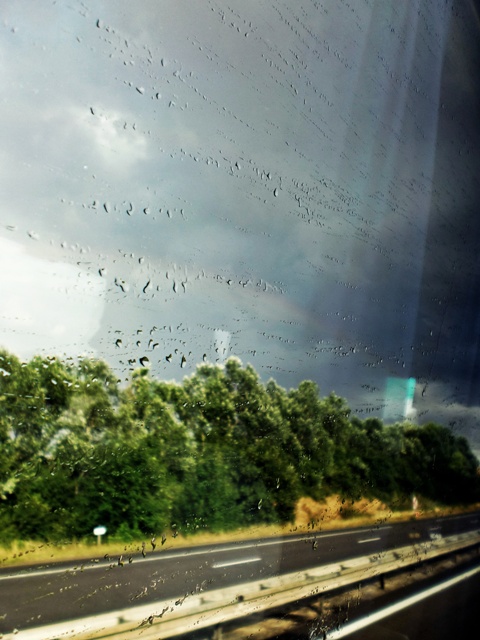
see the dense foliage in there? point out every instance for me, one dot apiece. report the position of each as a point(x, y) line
point(219, 451)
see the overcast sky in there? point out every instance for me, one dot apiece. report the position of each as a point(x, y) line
point(292, 183)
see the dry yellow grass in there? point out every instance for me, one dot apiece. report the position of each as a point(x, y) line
point(310, 516)
point(308, 512)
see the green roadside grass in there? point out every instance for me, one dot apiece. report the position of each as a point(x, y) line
point(25, 552)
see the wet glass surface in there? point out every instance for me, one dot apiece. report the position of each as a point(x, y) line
point(236, 241)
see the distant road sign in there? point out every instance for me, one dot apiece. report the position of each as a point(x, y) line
point(99, 531)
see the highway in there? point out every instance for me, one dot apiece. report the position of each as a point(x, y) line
point(46, 594)
point(439, 611)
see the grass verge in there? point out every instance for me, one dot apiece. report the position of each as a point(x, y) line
point(310, 517)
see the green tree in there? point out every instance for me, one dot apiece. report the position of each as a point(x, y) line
point(210, 498)
point(310, 445)
point(347, 473)
point(23, 411)
point(378, 446)
point(260, 436)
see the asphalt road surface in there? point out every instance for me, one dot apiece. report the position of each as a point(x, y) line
point(442, 611)
point(46, 594)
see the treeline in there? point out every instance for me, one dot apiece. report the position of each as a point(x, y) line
point(219, 451)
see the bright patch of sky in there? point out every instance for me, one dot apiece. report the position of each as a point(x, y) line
point(47, 307)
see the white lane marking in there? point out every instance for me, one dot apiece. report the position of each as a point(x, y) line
point(74, 569)
point(459, 517)
point(351, 627)
point(231, 563)
point(368, 540)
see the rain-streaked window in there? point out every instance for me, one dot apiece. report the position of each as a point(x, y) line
point(238, 306)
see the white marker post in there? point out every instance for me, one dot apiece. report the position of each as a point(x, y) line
point(99, 532)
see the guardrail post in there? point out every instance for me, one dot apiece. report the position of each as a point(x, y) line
point(217, 633)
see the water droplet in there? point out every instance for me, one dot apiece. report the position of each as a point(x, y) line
point(183, 362)
point(141, 90)
point(259, 505)
point(118, 342)
point(275, 192)
point(122, 284)
point(144, 361)
point(168, 358)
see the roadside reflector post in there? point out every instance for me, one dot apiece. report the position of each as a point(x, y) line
point(99, 532)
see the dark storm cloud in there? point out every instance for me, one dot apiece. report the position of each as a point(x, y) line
point(271, 173)
point(448, 327)
point(386, 171)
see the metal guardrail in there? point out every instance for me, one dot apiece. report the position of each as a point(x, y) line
point(200, 610)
